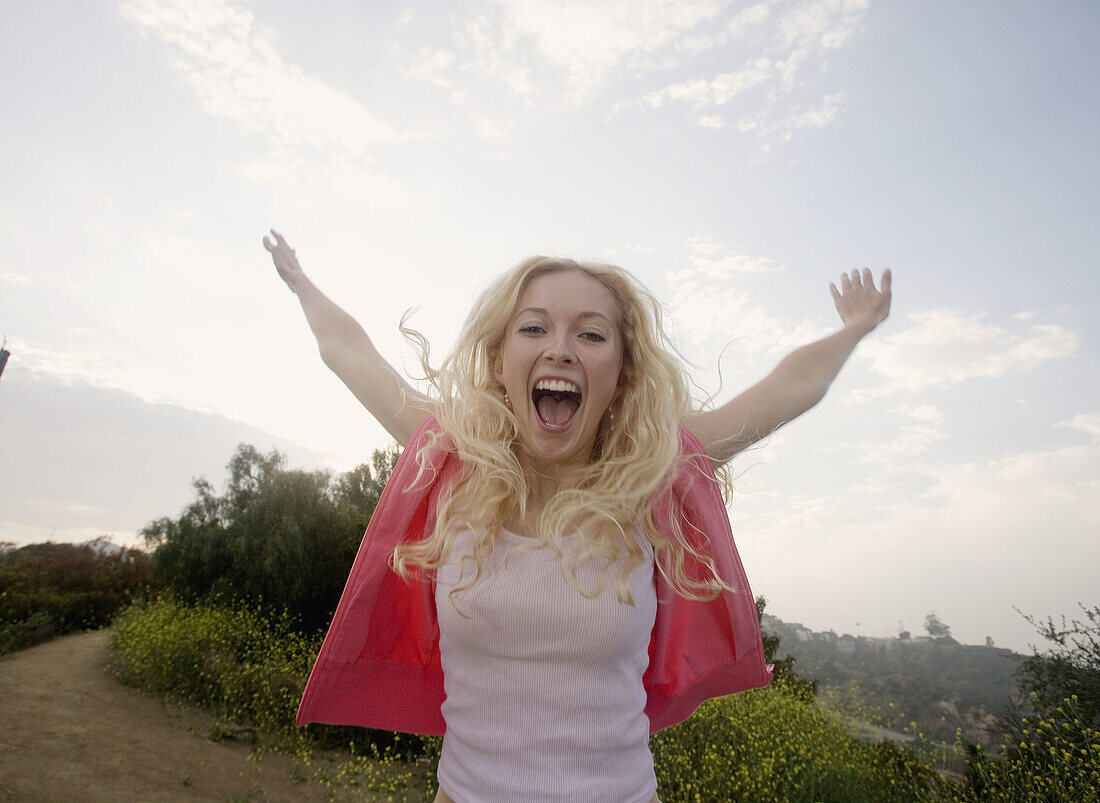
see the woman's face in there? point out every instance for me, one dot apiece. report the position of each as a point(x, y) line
point(560, 362)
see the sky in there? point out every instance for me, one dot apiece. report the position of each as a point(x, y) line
point(736, 157)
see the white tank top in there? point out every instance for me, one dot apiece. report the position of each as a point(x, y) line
point(544, 686)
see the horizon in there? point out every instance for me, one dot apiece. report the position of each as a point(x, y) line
point(910, 637)
point(735, 157)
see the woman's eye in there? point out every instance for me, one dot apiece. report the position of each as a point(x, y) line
point(595, 337)
point(532, 328)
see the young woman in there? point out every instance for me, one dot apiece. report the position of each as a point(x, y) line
point(550, 575)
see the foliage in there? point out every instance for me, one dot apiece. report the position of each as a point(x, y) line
point(50, 589)
point(283, 539)
point(779, 743)
point(774, 744)
point(246, 666)
point(1070, 670)
point(250, 669)
point(1052, 740)
point(935, 626)
point(1057, 758)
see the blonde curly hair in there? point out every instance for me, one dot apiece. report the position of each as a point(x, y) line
point(631, 462)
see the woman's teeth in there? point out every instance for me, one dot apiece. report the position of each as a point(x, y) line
point(557, 401)
point(557, 386)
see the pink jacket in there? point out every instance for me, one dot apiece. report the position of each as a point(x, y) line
point(379, 666)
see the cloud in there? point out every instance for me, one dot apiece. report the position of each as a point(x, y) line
point(911, 439)
point(561, 54)
point(818, 116)
point(945, 347)
point(717, 262)
point(431, 64)
point(703, 93)
point(710, 310)
point(788, 40)
point(69, 365)
point(588, 42)
point(1089, 423)
point(820, 24)
point(557, 55)
point(619, 246)
point(14, 279)
point(1001, 495)
point(233, 64)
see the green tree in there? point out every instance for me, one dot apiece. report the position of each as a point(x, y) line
point(284, 539)
point(359, 490)
point(935, 626)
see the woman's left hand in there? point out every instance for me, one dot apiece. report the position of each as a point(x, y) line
point(858, 303)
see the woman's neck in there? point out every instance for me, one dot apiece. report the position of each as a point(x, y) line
point(543, 484)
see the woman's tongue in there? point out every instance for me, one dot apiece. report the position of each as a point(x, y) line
point(557, 413)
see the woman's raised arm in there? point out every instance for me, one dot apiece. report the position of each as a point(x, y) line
point(346, 349)
point(801, 378)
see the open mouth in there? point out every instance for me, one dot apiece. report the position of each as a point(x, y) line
point(556, 402)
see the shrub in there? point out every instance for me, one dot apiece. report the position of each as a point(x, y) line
point(35, 629)
point(250, 669)
point(1056, 759)
point(52, 589)
point(776, 744)
point(1052, 741)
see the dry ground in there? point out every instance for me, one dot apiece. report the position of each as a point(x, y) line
point(70, 731)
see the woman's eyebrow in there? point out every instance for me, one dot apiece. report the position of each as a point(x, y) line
point(536, 310)
point(543, 311)
point(595, 315)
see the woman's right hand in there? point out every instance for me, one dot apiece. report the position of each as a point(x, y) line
point(285, 260)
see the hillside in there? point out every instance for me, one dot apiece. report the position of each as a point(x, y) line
point(938, 684)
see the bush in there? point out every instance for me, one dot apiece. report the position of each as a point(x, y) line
point(778, 744)
point(1052, 741)
point(246, 666)
point(35, 629)
point(1056, 759)
point(250, 670)
point(51, 589)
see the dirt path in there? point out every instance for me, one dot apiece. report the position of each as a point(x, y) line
point(69, 731)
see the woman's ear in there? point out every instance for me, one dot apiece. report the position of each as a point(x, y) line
point(498, 368)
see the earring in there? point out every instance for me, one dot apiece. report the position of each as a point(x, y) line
point(507, 401)
point(611, 423)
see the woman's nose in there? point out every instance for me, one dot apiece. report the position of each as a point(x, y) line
point(560, 350)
